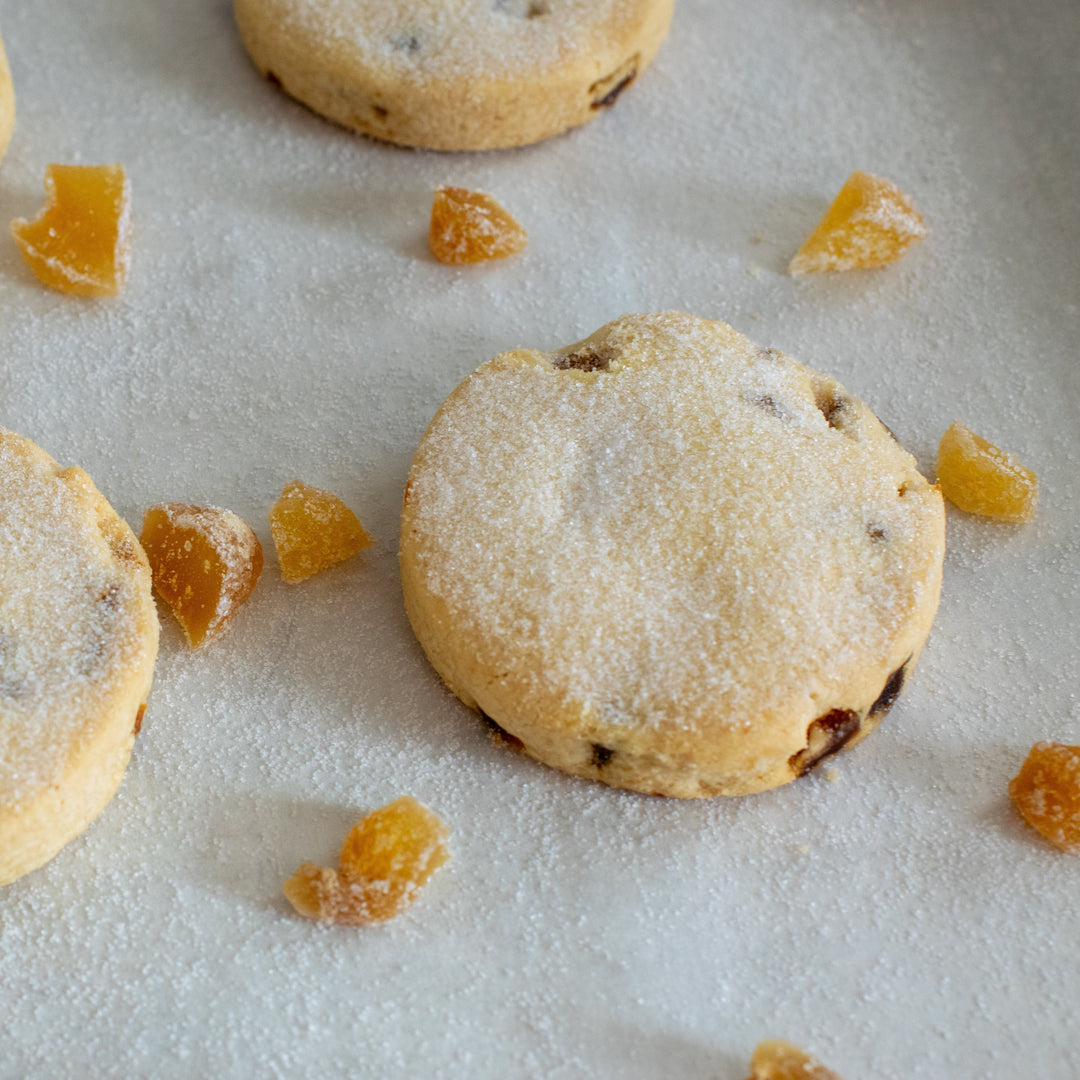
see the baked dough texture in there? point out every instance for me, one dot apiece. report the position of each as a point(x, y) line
point(668, 559)
point(78, 640)
point(7, 102)
point(454, 74)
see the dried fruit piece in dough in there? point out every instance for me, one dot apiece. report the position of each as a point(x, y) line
point(80, 243)
point(871, 223)
point(386, 860)
point(205, 562)
point(312, 530)
point(471, 227)
point(979, 478)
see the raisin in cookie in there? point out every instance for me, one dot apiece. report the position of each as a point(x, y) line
point(454, 74)
point(668, 559)
point(78, 640)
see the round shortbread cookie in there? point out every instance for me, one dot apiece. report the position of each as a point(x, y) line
point(668, 559)
point(78, 640)
point(454, 74)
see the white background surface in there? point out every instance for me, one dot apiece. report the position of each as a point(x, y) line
point(284, 320)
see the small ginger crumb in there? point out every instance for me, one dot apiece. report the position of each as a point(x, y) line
point(871, 223)
point(1046, 791)
point(386, 860)
point(978, 477)
point(80, 243)
point(804, 849)
point(775, 1059)
point(471, 227)
point(832, 775)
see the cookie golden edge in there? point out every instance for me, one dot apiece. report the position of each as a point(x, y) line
point(477, 111)
point(581, 744)
point(45, 821)
point(7, 101)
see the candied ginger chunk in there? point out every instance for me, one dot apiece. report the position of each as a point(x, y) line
point(775, 1059)
point(386, 860)
point(313, 529)
point(470, 227)
point(1046, 791)
point(870, 223)
point(204, 562)
point(976, 476)
point(80, 243)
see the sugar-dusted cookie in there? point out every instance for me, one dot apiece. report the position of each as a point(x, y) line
point(668, 559)
point(78, 639)
point(454, 74)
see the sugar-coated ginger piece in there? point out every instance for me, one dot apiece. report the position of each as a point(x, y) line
point(1046, 791)
point(386, 860)
point(775, 1059)
point(204, 562)
point(7, 102)
point(313, 529)
point(80, 243)
point(979, 478)
point(470, 227)
point(870, 223)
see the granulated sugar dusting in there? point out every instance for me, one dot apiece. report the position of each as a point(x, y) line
point(284, 319)
point(431, 38)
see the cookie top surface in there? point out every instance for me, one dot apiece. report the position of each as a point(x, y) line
point(446, 39)
point(77, 620)
point(668, 526)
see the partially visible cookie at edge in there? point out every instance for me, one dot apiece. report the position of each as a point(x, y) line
point(668, 559)
point(7, 102)
point(454, 74)
point(78, 641)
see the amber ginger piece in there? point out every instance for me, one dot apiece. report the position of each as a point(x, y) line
point(386, 860)
point(870, 223)
point(979, 478)
point(7, 102)
point(1046, 791)
point(313, 529)
point(775, 1059)
point(470, 227)
point(204, 562)
point(80, 243)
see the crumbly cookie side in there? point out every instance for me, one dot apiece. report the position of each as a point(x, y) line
point(78, 641)
point(668, 559)
point(7, 102)
point(463, 75)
